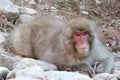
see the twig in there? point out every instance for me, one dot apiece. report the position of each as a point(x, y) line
point(94, 69)
point(8, 23)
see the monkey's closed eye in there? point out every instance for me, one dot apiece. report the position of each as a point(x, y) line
point(85, 32)
point(77, 33)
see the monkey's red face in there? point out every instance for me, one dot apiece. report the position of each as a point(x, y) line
point(81, 42)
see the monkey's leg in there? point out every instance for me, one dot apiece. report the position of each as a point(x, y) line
point(21, 38)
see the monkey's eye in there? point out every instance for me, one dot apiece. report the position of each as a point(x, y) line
point(85, 32)
point(77, 33)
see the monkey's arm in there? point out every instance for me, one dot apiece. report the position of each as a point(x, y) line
point(85, 68)
point(106, 66)
point(104, 57)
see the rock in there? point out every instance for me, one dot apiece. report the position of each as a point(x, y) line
point(117, 72)
point(117, 65)
point(44, 7)
point(48, 75)
point(24, 18)
point(30, 69)
point(32, 2)
point(85, 12)
point(25, 10)
point(28, 62)
point(98, 2)
point(105, 76)
point(6, 60)
point(3, 41)
point(28, 73)
point(82, 77)
point(28, 66)
point(8, 6)
point(2, 38)
point(53, 9)
point(63, 75)
point(3, 72)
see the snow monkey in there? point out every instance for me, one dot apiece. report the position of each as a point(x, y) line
point(74, 44)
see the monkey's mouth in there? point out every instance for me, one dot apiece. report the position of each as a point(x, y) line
point(81, 47)
point(82, 50)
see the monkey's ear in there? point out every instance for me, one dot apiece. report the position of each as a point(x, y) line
point(67, 32)
point(93, 28)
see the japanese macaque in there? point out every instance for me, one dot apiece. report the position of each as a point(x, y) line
point(74, 44)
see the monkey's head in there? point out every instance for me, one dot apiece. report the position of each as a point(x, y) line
point(81, 36)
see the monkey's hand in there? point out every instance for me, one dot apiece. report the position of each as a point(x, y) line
point(86, 69)
point(99, 69)
point(105, 66)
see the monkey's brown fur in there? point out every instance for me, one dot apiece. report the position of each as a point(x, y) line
point(49, 39)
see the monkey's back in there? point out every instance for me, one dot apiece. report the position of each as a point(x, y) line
point(46, 36)
point(34, 39)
